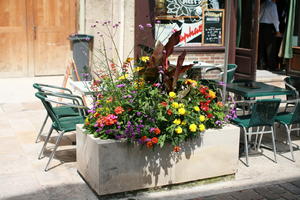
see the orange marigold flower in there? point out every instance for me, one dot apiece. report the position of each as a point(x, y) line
point(149, 144)
point(169, 112)
point(119, 110)
point(220, 104)
point(157, 131)
point(176, 149)
point(154, 140)
point(164, 103)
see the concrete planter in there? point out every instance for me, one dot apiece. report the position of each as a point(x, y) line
point(110, 166)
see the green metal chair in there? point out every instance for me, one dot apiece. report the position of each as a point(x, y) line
point(230, 72)
point(288, 119)
point(60, 111)
point(60, 124)
point(292, 83)
point(262, 115)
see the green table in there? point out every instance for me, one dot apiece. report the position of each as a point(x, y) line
point(256, 89)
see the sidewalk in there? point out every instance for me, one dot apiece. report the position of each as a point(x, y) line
point(22, 175)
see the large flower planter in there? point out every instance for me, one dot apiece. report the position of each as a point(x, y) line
point(110, 166)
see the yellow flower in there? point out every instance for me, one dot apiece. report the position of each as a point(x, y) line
point(177, 121)
point(191, 82)
point(202, 118)
point(201, 127)
point(196, 108)
point(181, 111)
point(175, 105)
point(211, 94)
point(193, 127)
point(123, 77)
point(183, 123)
point(181, 105)
point(144, 58)
point(137, 69)
point(172, 94)
point(129, 59)
point(178, 130)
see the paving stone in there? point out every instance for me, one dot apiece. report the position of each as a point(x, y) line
point(290, 187)
point(290, 196)
point(267, 193)
point(247, 195)
point(296, 183)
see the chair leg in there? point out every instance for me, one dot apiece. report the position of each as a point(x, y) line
point(42, 128)
point(54, 150)
point(274, 145)
point(288, 131)
point(45, 143)
point(246, 146)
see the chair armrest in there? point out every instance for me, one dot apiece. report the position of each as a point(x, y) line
point(77, 101)
point(292, 88)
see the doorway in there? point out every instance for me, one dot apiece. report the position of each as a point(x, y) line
point(34, 36)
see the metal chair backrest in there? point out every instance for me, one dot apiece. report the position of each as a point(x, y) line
point(55, 119)
point(296, 113)
point(292, 83)
point(50, 88)
point(230, 72)
point(264, 112)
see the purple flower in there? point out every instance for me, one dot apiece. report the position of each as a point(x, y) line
point(222, 83)
point(121, 85)
point(91, 111)
point(141, 27)
point(133, 92)
point(138, 114)
point(149, 25)
point(152, 130)
point(158, 22)
point(218, 123)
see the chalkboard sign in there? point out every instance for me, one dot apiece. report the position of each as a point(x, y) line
point(213, 27)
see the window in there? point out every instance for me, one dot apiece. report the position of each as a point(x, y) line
point(184, 15)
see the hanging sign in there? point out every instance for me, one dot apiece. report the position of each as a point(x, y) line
point(213, 27)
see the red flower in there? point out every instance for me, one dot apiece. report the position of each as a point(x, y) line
point(154, 140)
point(169, 112)
point(209, 115)
point(164, 104)
point(119, 110)
point(176, 149)
point(203, 90)
point(144, 138)
point(157, 131)
point(149, 144)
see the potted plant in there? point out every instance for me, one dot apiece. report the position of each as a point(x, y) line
point(147, 123)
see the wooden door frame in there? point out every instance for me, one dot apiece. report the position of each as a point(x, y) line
point(251, 52)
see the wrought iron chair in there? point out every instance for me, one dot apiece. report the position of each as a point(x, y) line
point(60, 111)
point(288, 119)
point(262, 115)
point(292, 83)
point(61, 124)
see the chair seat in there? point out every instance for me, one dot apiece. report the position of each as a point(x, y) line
point(68, 123)
point(62, 111)
point(242, 121)
point(284, 117)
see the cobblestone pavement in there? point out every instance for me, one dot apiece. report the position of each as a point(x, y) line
point(282, 191)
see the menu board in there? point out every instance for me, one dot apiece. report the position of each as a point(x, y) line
point(213, 27)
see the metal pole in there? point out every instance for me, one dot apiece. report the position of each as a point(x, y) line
point(227, 36)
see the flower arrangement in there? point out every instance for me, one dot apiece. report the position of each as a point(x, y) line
point(152, 105)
